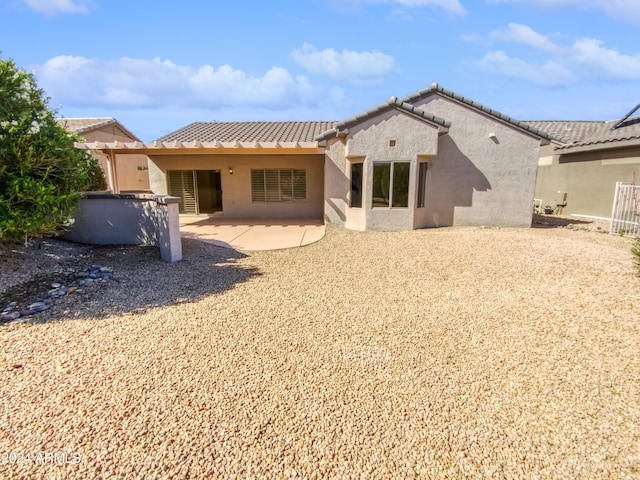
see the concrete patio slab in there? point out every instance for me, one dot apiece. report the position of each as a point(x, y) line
point(253, 234)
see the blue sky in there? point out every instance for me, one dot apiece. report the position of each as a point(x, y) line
point(157, 66)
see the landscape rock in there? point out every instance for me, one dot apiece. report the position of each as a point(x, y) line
point(342, 359)
point(9, 316)
point(58, 288)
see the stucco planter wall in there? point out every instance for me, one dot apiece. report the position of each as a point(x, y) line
point(128, 219)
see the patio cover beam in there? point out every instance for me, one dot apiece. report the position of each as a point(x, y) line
point(204, 148)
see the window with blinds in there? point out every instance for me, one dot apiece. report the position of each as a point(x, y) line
point(182, 184)
point(278, 185)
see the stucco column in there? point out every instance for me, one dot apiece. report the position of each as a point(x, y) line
point(168, 228)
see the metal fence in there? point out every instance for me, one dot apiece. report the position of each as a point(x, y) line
point(625, 216)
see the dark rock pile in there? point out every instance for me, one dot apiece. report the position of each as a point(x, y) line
point(71, 281)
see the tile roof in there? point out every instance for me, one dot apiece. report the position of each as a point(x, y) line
point(582, 136)
point(611, 135)
point(83, 125)
point(392, 103)
point(248, 132)
point(309, 131)
point(435, 89)
point(568, 131)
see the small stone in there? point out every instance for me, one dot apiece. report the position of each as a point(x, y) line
point(56, 285)
point(105, 270)
point(22, 319)
point(72, 290)
point(93, 276)
point(38, 306)
point(10, 316)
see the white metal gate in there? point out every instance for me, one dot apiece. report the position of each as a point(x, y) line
point(625, 216)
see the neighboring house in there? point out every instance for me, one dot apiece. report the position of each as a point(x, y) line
point(124, 173)
point(433, 158)
point(585, 161)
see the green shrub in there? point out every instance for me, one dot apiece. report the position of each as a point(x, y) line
point(41, 172)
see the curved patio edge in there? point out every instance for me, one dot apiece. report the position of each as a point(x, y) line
point(254, 234)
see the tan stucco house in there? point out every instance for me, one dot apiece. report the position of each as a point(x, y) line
point(579, 169)
point(433, 158)
point(124, 174)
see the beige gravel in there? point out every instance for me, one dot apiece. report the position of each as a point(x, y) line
point(444, 353)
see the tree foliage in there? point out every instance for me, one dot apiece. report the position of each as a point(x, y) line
point(41, 172)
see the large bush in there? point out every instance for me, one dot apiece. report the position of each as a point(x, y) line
point(41, 172)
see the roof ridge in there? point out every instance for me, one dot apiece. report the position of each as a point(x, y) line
point(100, 122)
point(390, 104)
point(567, 121)
point(435, 88)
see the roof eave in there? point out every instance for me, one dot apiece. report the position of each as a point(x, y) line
point(435, 89)
point(195, 148)
point(103, 123)
point(342, 127)
point(595, 146)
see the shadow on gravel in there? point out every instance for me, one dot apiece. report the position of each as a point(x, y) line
point(548, 221)
point(141, 280)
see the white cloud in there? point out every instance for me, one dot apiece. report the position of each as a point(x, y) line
point(53, 7)
point(584, 60)
point(137, 83)
point(525, 35)
point(357, 68)
point(551, 74)
point(276, 89)
point(600, 62)
point(624, 10)
point(450, 6)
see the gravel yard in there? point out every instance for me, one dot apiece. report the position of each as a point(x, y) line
point(442, 353)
